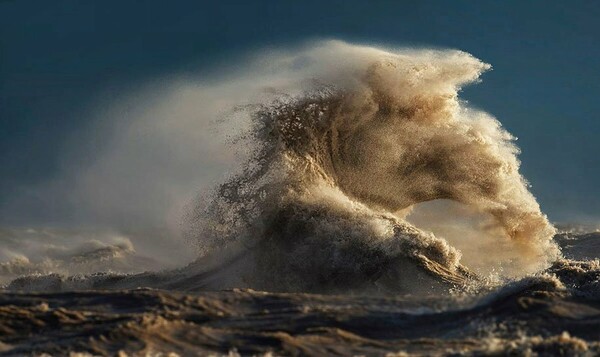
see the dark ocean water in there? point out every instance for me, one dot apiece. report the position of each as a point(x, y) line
point(556, 312)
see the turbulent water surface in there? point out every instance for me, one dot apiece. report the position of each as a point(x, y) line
point(372, 212)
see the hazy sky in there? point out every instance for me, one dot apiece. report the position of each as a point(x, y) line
point(59, 58)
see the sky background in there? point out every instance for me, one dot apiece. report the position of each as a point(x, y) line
point(59, 58)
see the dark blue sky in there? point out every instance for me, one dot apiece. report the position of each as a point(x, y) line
point(57, 57)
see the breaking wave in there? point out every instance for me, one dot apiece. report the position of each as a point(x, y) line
point(333, 169)
point(361, 170)
point(362, 173)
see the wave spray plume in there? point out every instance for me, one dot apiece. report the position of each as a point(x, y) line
point(338, 159)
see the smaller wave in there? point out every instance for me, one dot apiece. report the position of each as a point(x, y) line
point(41, 252)
point(583, 246)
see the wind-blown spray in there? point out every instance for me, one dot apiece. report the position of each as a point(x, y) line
point(336, 162)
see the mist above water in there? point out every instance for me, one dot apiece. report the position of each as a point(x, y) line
point(322, 149)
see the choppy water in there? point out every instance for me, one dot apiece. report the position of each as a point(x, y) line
point(556, 312)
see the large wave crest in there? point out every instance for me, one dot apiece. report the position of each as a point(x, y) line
point(335, 162)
